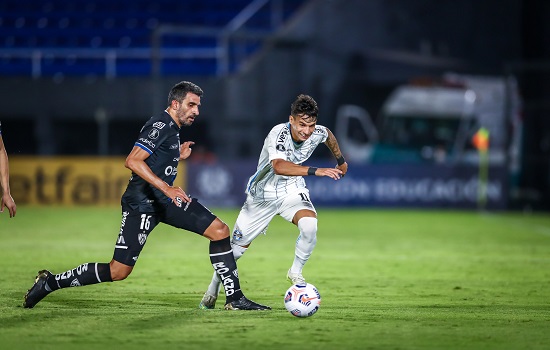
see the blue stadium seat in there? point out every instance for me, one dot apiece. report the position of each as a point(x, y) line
point(32, 25)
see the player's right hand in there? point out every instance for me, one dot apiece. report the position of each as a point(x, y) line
point(178, 196)
point(334, 173)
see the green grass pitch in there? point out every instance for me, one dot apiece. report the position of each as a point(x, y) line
point(389, 279)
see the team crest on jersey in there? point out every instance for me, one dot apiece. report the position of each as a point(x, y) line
point(159, 125)
point(153, 134)
point(237, 235)
point(142, 237)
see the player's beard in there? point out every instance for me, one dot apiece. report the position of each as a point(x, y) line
point(186, 121)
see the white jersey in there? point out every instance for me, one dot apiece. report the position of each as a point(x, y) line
point(265, 185)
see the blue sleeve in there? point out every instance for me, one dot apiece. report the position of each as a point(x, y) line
point(152, 135)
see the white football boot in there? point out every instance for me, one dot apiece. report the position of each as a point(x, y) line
point(295, 278)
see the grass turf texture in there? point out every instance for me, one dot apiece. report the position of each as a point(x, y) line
point(388, 280)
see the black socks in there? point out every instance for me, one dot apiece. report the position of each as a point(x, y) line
point(82, 275)
point(221, 257)
point(223, 261)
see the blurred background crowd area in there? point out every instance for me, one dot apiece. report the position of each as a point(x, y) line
point(401, 83)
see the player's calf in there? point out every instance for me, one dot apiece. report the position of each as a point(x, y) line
point(82, 275)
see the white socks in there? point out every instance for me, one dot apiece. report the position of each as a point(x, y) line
point(305, 243)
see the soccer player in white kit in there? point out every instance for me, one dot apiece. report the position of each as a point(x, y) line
point(278, 187)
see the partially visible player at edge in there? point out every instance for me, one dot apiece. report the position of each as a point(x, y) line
point(278, 188)
point(6, 200)
point(151, 198)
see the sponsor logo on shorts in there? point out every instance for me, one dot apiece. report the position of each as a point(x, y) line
point(174, 146)
point(124, 215)
point(159, 125)
point(135, 258)
point(237, 235)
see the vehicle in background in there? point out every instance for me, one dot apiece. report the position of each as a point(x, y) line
point(434, 122)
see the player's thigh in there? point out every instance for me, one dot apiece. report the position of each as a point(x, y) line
point(134, 231)
point(192, 216)
point(294, 203)
point(253, 220)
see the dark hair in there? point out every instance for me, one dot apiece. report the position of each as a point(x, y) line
point(180, 90)
point(304, 105)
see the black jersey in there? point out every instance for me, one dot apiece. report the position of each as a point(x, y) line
point(160, 138)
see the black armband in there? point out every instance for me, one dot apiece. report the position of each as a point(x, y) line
point(311, 170)
point(340, 160)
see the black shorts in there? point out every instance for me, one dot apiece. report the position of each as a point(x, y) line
point(136, 226)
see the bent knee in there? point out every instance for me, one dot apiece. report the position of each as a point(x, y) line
point(217, 230)
point(308, 228)
point(120, 271)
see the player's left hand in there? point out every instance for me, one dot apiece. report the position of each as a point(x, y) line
point(185, 149)
point(343, 167)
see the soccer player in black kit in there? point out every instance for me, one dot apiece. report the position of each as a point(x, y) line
point(150, 199)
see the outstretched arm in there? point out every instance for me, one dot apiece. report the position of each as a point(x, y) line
point(332, 144)
point(7, 199)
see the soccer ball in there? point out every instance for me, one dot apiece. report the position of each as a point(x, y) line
point(302, 300)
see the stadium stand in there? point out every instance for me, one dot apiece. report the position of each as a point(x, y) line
point(117, 38)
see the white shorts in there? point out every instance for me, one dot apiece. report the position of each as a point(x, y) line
point(254, 217)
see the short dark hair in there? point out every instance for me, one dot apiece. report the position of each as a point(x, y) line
point(180, 90)
point(304, 105)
